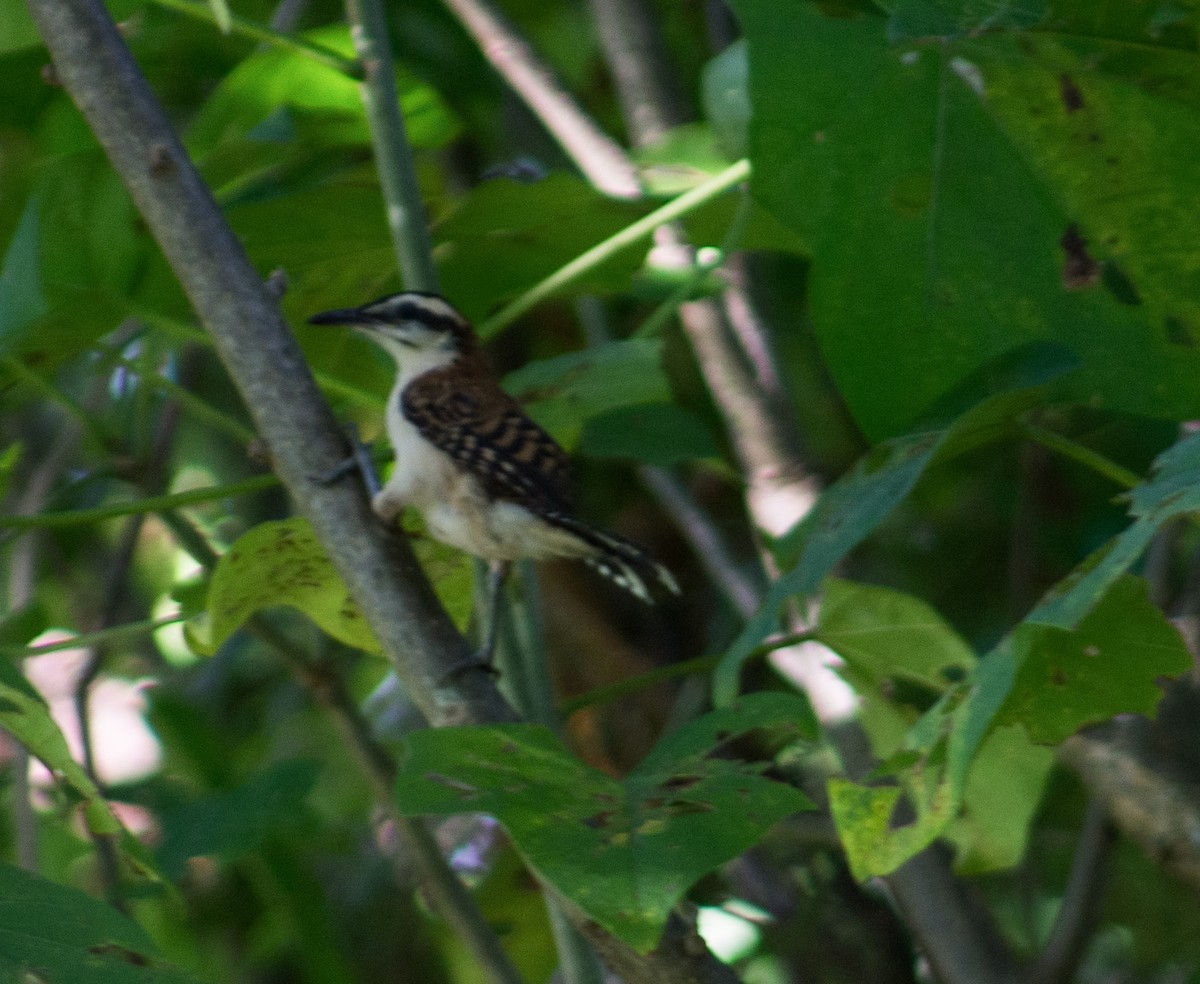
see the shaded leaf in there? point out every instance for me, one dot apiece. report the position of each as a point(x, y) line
point(625, 852)
point(657, 433)
point(51, 934)
point(935, 237)
point(232, 824)
point(564, 392)
point(884, 634)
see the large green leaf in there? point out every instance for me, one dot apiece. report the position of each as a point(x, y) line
point(1049, 680)
point(51, 934)
point(948, 225)
point(1109, 665)
point(625, 852)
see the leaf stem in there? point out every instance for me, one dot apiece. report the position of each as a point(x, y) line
point(393, 155)
point(85, 640)
point(264, 35)
point(1083, 455)
point(642, 229)
point(155, 503)
point(689, 667)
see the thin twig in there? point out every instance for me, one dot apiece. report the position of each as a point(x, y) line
point(631, 235)
point(1085, 456)
point(708, 544)
point(263, 35)
point(1082, 903)
point(649, 90)
point(393, 155)
point(150, 504)
point(447, 894)
point(597, 155)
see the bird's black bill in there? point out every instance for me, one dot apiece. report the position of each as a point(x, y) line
point(339, 316)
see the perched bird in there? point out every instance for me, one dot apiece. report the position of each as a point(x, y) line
point(486, 478)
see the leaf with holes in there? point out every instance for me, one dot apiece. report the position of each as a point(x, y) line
point(624, 852)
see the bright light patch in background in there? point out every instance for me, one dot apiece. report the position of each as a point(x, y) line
point(729, 937)
point(123, 746)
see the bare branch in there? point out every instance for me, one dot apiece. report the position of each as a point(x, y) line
point(598, 156)
point(1079, 913)
point(262, 357)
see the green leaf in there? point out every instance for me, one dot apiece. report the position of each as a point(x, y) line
point(886, 635)
point(1004, 788)
point(1109, 665)
point(232, 824)
point(282, 562)
point(18, 627)
point(26, 717)
point(724, 85)
point(657, 433)
point(863, 815)
point(564, 393)
point(279, 563)
point(847, 512)
point(521, 233)
point(50, 933)
point(22, 300)
point(276, 79)
point(942, 237)
point(17, 29)
point(624, 852)
point(1173, 490)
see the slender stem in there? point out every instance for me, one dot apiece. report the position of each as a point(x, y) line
point(1082, 901)
point(688, 667)
point(113, 634)
point(631, 235)
point(264, 35)
point(599, 157)
point(708, 542)
point(1085, 456)
point(393, 155)
point(154, 503)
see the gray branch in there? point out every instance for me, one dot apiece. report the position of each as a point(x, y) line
point(262, 357)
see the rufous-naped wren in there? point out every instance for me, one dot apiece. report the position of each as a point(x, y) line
point(486, 478)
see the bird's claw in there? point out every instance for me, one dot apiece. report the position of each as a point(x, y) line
point(360, 459)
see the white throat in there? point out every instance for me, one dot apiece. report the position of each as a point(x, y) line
point(413, 362)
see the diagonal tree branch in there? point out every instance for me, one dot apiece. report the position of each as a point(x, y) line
point(262, 357)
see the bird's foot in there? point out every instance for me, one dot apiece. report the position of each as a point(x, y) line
point(360, 459)
point(479, 661)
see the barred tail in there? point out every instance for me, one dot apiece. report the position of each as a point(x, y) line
point(616, 558)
